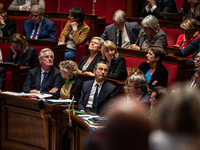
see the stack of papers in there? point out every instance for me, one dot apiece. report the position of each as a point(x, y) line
point(59, 102)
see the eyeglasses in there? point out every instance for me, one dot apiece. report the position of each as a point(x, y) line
point(101, 69)
point(3, 12)
point(130, 87)
point(46, 57)
point(34, 16)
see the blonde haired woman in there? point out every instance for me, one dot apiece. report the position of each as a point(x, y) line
point(116, 63)
point(73, 84)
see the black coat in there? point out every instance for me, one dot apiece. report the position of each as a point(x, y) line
point(10, 28)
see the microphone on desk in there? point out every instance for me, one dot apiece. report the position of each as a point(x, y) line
point(42, 112)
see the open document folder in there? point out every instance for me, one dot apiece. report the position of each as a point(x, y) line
point(29, 95)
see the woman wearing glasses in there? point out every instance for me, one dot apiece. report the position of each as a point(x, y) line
point(155, 73)
point(21, 53)
point(116, 63)
point(151, 34)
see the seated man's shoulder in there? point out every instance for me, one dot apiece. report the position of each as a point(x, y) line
point(48, 20)
point(132, 24)
point(109, 84)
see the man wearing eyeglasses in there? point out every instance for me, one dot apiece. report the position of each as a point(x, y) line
point(96, 93)
point(44, 79)
point(39, 27)
point(7, 25)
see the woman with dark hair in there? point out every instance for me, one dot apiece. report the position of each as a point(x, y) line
point(21, 53)
point(190, 9)
point(73, 84)
point(153, 69)
point(74, 33)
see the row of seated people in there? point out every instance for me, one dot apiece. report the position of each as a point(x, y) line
point(129, 33)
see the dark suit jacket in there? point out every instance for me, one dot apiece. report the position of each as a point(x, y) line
point(117, 69)
point(91, 65)
point(108, 91)
point(132, 29)
point(2, 78)
point(192, 48)
point(33, 80)
point(29, 58)
point(160, 74)
point(47, 29)
point(75, 89)
point(10, 28)
point(164, 6)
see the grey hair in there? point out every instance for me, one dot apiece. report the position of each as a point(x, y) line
point(119, 16)
point(150, 22)
point(98, 38)
point(139, 80)
point(37, 8)
point(44, 50)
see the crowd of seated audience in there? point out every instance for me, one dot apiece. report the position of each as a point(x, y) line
point(144, 87)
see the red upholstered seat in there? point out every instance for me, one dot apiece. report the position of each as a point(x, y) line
point(20, 23)
point(58, 27)
point(172, 35)
point(5, 49)
point(135, 62)
point(80, 52)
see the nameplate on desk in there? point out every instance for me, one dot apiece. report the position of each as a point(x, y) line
point(59, 102)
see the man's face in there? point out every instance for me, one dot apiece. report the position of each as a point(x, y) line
point(197, 60)
point(47, 59)
point(153, 95)
point(118, 25)
point(36, 17)
point(132, 92)
point(101, 72)
point(3, 14)
point(71, 18)
point(94, 45)
point(151, 58)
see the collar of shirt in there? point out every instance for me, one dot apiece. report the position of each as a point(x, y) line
point(100, 83)
point(42, 71)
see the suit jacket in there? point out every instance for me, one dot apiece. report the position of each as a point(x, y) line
point(28, 58)
point(158, 39)
point(2, 78)
point(117, 69)
point(10, 28)
point(33, 80)
point(145, 99)
point(91, 65)
point(108, 91)
point(47, 29)
point(192, 48)
point(132, 28)
point(162, 6)
point(79, 36)
point(160, 74)
point(15, 5)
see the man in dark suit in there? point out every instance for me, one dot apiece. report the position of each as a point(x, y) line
point(137, 90)
point(39, 27)
point(156, 7)
point(121, 33)
point(7, 25)
point(96, 93)
point(44, 79)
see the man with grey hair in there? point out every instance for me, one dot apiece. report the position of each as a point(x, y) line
point(46, 78)
point(121, 33)
point(39, 27)
point(25, 5)
point(137, 90)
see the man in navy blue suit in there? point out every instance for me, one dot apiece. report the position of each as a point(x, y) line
point(96, 93)
point(39, 27)
point(44, 79)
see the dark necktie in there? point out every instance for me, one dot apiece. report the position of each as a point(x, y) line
point(36, 30)
point(43, 80)
point(95, 99)
point(120, 38)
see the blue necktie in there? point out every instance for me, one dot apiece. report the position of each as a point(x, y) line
point(95, 100)
point(43, 80)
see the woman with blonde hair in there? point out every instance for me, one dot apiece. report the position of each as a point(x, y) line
point(73, 84)
point(116, 63)
point(21, 53)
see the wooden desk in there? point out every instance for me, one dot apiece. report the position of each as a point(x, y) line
point(22, 127)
